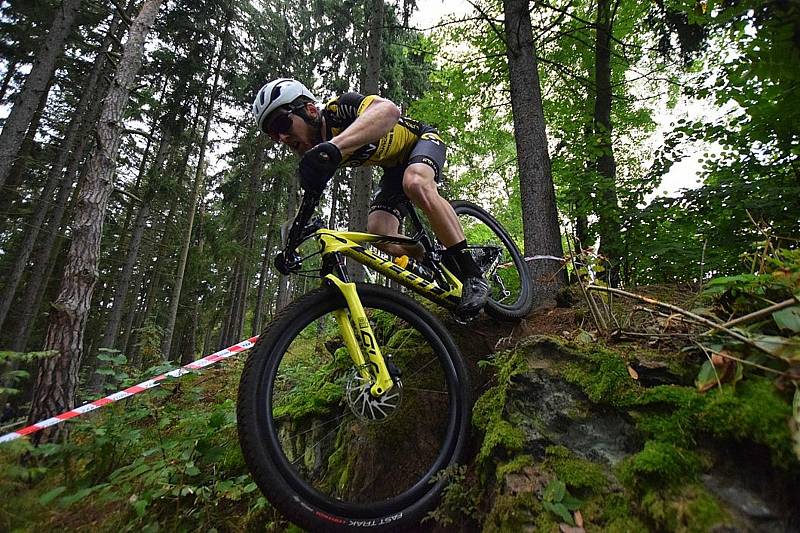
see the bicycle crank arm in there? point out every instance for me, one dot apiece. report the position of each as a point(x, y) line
point(382, 380)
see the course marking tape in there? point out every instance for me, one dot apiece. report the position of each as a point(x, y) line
point(130, 391)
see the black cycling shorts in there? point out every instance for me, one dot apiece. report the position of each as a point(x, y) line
point(389, 195)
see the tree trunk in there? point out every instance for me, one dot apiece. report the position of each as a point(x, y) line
point(199, 184)
point(11, 69)
point(284, 282)
point(539, 214)
point(56, 169)
point(370, 84)
point(16, 175)
point(57, 377)
point(31, 93)
point(130, 315)
point(265, 262)
point(607, 203)
point(49, 250)
point(122, 286)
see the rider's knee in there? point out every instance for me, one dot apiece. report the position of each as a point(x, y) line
point(420, 187)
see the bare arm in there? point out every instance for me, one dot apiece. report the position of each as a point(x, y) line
point(378, 118)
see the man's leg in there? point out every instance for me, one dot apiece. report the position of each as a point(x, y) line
point(420, 186)
point(384, 223)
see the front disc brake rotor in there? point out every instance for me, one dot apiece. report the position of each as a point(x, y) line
point(368, 407)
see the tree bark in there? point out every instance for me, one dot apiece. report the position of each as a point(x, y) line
point(362, 176)
point(57, 377)
point(11, 69)
point(15, 176)
point(79, 116)
point(539, 213)
point(607, 201)
point(31, 93)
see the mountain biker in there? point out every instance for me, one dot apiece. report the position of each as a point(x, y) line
point(354, 130)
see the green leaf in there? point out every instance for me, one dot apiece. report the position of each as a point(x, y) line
point(72, 498)
point(559, 510)
point(140, 506)
point(788, 319)
point(192, 470)
point(571, 502)
point(707, 376)
point(15, 374)
point(51, 495)
point(787, 348)
point(555, 491)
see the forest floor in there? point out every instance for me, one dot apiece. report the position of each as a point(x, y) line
point(169, 459)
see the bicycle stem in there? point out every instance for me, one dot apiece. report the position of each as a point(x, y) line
point(382, 380)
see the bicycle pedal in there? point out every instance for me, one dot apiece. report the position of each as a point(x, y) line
point(463, 320)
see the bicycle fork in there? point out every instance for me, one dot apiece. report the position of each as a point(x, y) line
point(374, 370)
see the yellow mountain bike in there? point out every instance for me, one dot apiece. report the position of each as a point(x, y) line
point(355, 400)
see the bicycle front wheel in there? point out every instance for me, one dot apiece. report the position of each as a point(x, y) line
point(324, 451)
point(510, 290)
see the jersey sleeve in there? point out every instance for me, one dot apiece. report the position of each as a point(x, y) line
point(344, 109)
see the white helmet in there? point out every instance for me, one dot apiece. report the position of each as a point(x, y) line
point(275, 94)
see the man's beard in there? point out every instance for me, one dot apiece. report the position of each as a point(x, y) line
point(317, 125)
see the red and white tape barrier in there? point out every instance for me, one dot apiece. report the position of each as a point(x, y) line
point(130, 391)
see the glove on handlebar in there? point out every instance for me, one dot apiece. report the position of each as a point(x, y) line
point(318, 166)
point(286, 262)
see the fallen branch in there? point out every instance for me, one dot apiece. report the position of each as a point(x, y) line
point(655, 335)
point(707, 322)
point(726, 355)
point(757, 314)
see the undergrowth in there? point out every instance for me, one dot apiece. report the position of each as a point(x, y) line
point(169, 459)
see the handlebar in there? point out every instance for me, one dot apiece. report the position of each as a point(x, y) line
point(289, 260)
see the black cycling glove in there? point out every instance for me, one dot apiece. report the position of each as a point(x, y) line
point(287, 262)
point(318, 165)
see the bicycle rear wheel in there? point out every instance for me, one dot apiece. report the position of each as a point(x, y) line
point(510, 290)
point(326, 453)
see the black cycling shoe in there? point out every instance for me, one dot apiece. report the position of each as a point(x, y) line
point(473, 297)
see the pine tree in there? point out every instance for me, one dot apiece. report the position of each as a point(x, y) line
point(35, 85)
point(56, 379)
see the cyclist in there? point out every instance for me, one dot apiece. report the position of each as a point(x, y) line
point(354, 130)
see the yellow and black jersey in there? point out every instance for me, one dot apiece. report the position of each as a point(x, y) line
point(392, 150)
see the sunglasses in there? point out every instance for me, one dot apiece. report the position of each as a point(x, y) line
point(279, 125)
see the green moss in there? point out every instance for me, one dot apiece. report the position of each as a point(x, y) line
point(515, 465)
point(611, 512)
point(753, 411)
point(339, 465)
point(518, 512)
point(577, 473)
point(689, 508)
point(460, 500)
point(669, 413)
point(657, 464)
point(603, 376)
point(489, 409)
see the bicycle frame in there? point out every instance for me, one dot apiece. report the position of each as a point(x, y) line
point(357, 331)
